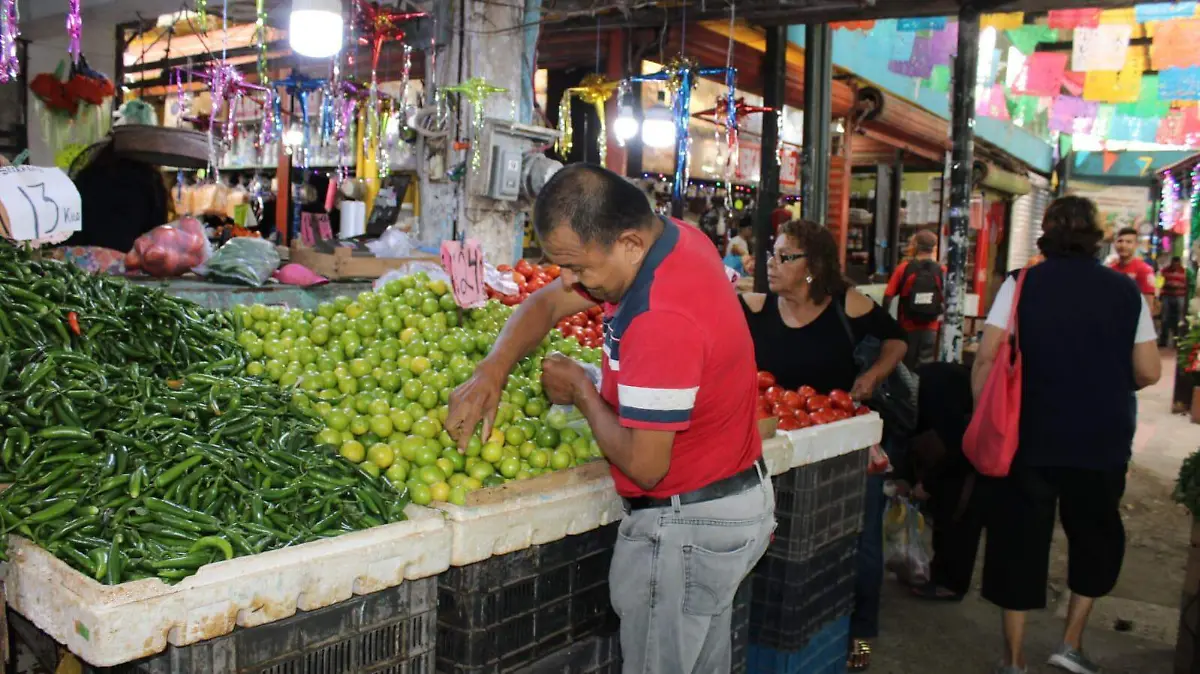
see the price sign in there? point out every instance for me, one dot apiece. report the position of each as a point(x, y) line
point(314, 227)
point(37, 202)
point(464, 263)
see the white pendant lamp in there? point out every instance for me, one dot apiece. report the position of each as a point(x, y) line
point(658, 126)
point(315, 27)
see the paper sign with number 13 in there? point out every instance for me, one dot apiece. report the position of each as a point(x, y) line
point(37, 202)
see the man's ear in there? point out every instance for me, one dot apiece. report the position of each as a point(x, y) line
point(634, 244)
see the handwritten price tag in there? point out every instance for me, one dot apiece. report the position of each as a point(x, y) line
point(37, 202)
point(464, 263)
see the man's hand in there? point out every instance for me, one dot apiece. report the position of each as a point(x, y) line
point(473, 401)
point(561, 379)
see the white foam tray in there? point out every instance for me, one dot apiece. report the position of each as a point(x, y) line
point(535, 516)
point(110, 625)
point(818, 443)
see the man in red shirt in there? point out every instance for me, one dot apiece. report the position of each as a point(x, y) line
point(918, 283)
point(1125, 245)
point(1174, 300)
point(675, 414)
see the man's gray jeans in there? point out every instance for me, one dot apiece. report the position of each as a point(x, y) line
point(674, 573)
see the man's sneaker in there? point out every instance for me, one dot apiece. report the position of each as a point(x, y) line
point(1009, 669)
point(1073, 660)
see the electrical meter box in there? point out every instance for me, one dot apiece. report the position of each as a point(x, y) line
point(504, 145)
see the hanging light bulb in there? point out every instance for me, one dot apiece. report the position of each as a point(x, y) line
point(658, 127)
point(294, 137)
point(626, 125)
point(315, 27)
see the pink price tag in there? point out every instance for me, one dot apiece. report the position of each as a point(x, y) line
point(464, 263)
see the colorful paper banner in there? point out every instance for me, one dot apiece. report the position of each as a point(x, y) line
point(1026, 38)
point(1179, 84)
point(920, 64)
point(1148, 103)
point(1126, 127)
point(1042, 74)
point(944, 43)
point(992, 104)
point(1162, 11)
point(1103, 48)
point(1123, 16)
point(1068, 19)
point(1176, 44)
point(912, 25)
point(1073, 82)
point(1005, 21)
point(1072, 115)
point(863, 26)
point(939, 79)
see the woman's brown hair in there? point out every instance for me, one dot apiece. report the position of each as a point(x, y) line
point(1071, 227)
point(821, 252)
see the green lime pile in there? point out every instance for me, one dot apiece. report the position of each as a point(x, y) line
point(379, 370)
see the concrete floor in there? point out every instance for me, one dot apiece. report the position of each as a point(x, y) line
point(921, 637)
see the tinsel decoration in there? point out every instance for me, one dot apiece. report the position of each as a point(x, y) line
point(594, 90)
point(1169, 207)
point(474, 91)
point(74, 30)
point(260, 34)
point(680, 77)
point(10, 67)
point(202, 15)
point(378, 25)
point(721, 114)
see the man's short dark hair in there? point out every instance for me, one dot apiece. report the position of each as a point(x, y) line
point(1126, 231)
point(925, 241)
point(594, 202)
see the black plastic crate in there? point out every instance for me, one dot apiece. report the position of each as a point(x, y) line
point(792, 600)
point(817, 504)
point(508, 611)
point(599, 654)
point(387, 632)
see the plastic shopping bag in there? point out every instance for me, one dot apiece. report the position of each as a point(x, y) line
point(567, 416)
point(905, 551)
point(243, 260)
point(170, 250)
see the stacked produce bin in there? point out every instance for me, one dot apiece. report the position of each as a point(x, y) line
point(803, 588)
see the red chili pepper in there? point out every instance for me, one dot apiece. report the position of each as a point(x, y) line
point(73, 322)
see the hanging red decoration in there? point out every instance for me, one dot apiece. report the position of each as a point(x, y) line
point(379, 25)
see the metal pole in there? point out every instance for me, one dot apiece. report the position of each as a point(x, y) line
point(818, 85)
point(774, 80)
point(894, 224)
point(962, 127)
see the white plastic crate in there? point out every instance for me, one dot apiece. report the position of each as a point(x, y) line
point(110, 625)
point(532, 512)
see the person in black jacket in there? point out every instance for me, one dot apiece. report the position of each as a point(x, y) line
point(122, 199)
point(945, 479)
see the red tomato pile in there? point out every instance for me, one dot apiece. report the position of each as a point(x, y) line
point(587, 327)
point(803, 407)
point(529, 278)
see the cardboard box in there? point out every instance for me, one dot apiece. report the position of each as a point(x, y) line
point(342, 264)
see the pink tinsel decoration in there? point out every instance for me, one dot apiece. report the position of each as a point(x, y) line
point(10, 68)
point(74, 30)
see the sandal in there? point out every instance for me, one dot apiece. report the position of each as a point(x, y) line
point(859, 659)
point(931, 591)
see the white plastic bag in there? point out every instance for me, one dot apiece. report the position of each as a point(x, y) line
point(500, 281)
point(433, 269)
point(393, 243)
point(905, 552)
point(566, 416)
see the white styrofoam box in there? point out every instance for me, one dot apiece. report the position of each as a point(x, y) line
point(532, 518)
point(777, 452)
point(109, 625)
point(818, 443)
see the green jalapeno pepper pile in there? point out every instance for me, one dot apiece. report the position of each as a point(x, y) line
point(135, 448)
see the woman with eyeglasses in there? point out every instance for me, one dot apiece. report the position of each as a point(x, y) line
point(805, 330)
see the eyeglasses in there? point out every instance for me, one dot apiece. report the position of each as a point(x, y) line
point(784, 258)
